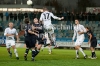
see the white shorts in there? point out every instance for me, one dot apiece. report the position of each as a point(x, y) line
point(79, 42)
point(49, 28)
point(10, 43)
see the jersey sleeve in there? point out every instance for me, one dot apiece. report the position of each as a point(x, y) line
point(83, 28)
point(74, 35)
point(5, 32)
point(16, 33)
point(55, 17)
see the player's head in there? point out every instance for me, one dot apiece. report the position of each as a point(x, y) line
point(76, 21)
point(26, 21)
point(45, 9)
point(35, 20)
point(11, 24)
point(88, 28)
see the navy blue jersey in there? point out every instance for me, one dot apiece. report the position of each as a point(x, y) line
point(90, 32)
point(27, 27)
point(40, 30)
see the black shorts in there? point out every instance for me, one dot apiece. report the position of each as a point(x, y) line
point(30, 41)
point(94, 42)
point(40, 41)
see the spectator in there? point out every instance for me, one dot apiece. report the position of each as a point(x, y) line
point(93, 16)
point(11, 16)
point(1, 29)
point(26, 15)
point(68, 16)
point(15, 17)
point(19, 16)
point(77, 16)
point(7, 16)
point(89, 16)
point(1, 16)
point(65, 15)
point(72, 16)
point(81, 16)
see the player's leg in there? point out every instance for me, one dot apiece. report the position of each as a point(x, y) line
point(33, 44)
point(93, 45)
point(50, 49)
point(14, 48)
point(78, 47)
point(8, 45)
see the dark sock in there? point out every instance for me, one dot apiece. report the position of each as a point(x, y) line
point(37, 52)
point(33, 53)
point(26, 52)
point(93, 53)
point(9, 52)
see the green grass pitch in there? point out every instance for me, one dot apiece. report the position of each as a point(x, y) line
point(59, 57)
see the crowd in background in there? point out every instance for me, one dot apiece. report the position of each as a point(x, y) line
point(68, 16)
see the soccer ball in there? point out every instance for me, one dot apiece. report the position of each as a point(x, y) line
point(29, 2)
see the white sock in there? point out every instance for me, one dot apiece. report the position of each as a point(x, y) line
point(77, 55)
point(49, 48)
point(15, 51)
point(42, 47)
point(82, 51)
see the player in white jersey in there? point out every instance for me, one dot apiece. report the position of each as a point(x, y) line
point(45, 18)
point(10, 32)
point(79, 31)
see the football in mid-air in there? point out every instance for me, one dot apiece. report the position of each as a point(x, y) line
point(29, 2)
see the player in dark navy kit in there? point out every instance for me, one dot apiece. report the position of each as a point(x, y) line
point(92, 41)
point(39, 29)
point(30, 39)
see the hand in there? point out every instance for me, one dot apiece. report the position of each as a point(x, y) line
point(62, 17)
point(79, 32)
point(36, 34)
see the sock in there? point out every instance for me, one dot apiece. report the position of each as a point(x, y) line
point(49, 49)
point(93, 54)
point(42, 47)
point(33, 53)
point(37, 52)
point(82, 51)
point(15, 51)
point(77, 53)
point(26, 52)
point(9, 52)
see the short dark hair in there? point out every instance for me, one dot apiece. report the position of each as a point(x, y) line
point(89, 28)
point(26, 20)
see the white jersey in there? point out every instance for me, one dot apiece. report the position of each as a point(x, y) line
point(10, 31)
point(46, 18)
point(79, 28)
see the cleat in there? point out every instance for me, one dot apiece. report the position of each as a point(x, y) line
point(25, 58)
point(10, 55)
point(77, 58)
point(85, 56)
point(32, 59)
point(89, 57)
point(17, 58)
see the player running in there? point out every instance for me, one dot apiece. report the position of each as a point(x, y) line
point(79, 31)
point(10, 33)
point(92, 41)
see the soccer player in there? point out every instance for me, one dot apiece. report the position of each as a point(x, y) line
point(10, 33)
point(45, 18)
point(30, 39)
point(92, 41)
point(79, 31)
point(38, 29)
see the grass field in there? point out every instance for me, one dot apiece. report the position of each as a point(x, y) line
point(59, 57)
